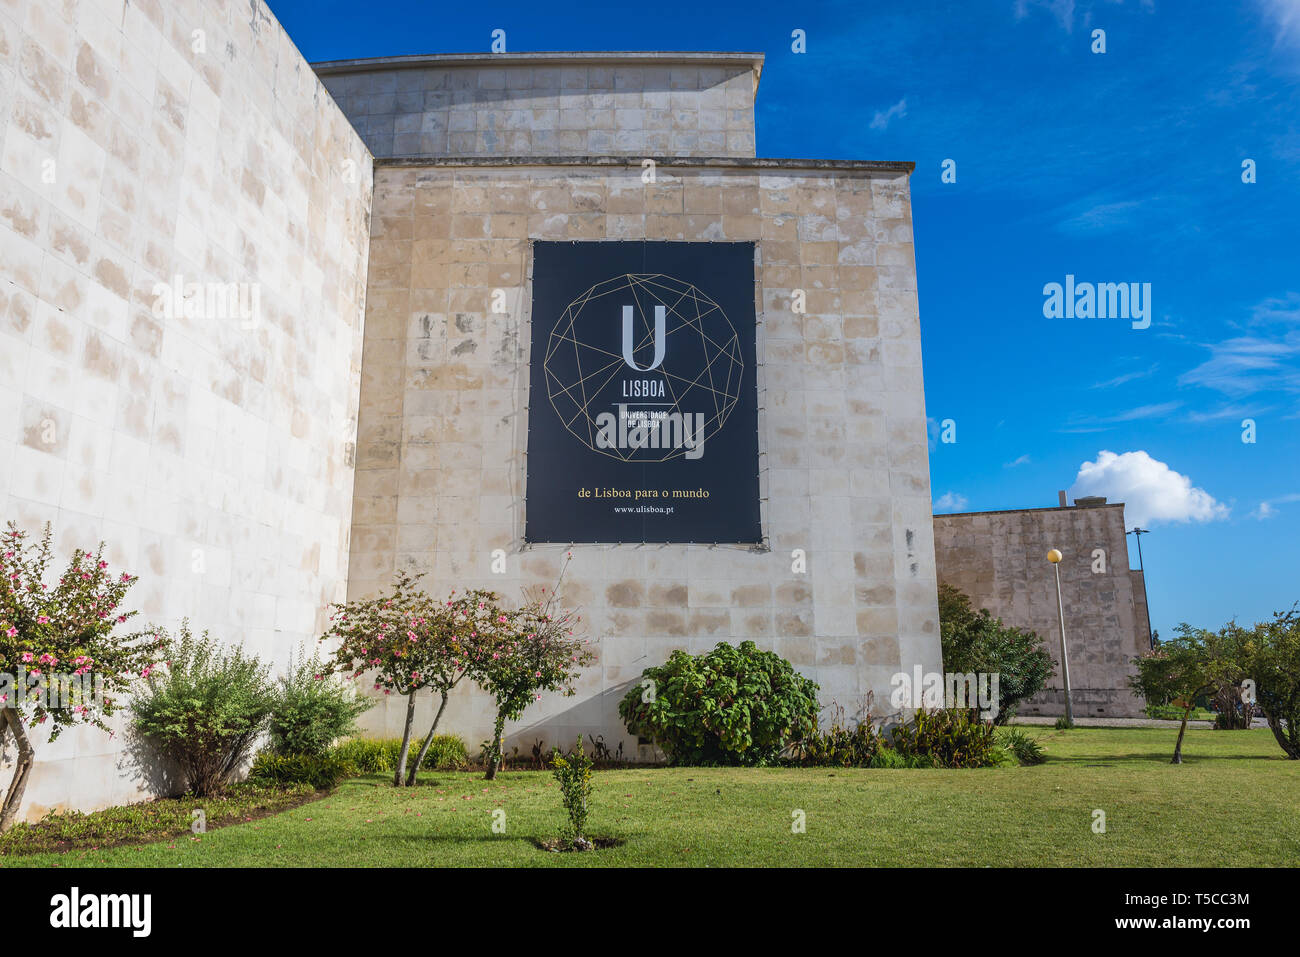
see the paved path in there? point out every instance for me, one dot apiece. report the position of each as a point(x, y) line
point(1114, 722)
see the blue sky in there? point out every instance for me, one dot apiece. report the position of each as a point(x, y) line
point(1123, 166)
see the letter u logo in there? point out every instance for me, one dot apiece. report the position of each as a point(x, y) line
point(661, 322)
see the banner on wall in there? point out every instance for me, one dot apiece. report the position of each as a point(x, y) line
point(643, 399)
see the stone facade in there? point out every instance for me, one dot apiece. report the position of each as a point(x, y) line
point(213, 455)
point(999, 559)
point(443, 425)
point(551, 104)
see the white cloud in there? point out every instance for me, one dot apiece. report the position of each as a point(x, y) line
point(1023, 460)
point(949, 502)
point(1151, 491)
point(881, 120)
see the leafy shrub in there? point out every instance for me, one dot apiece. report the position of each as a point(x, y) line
point(1025, 749)
point(732, 705)
point(976, 642)
point(950, 737)
point(205, 709)
point(574, 775)
point(321, 771)
point(1063, 724)
point(380, 755)
point(312, 710)
point(840, 744)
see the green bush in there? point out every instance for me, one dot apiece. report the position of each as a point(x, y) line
point(950, 738)
point(727, 706)
point(840, 744)
point(1063, 724)
point(313, 710)
point(1025, 749)
point(447, 752)
point(321, 771)
point(573, 773)
point(205, 709)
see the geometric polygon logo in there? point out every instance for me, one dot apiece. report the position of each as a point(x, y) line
point(699, 370)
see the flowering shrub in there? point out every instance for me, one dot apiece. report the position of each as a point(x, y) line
point(63, 661)
point(409, 642)
point(205, 709)
point(531, 650)
point(312, 710)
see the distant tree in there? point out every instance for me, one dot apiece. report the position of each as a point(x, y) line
point(975, 641)
point(1178, 671)
point(1274, 665)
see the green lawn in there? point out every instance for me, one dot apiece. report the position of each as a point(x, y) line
point(1234, 802)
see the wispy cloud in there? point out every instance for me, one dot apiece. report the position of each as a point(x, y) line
point(1154, 410)
point(949, 502)
point(1126, 377)
point(1015, 463)
point(882, 119)
point(1285, 18)
point(1268, 508)
point(1063, 10)
point(1245, 365)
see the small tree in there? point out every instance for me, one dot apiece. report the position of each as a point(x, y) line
point(1179, 670)
point(533, 650)
point(976, 642)
point(410, 643)
point(574, 775)
point(72, 625)
point(456, 636)
point(1274, 664)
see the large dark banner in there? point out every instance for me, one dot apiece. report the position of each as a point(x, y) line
point(643, 404)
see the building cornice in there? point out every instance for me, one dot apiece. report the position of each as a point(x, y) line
point(667, 162)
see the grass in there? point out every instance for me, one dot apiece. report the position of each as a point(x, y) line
point(148, 820)
point(1232, 803)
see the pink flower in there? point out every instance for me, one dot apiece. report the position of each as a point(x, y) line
point(26, 655)
point(41, 619)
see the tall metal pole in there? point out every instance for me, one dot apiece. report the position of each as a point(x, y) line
point(1137, 533)
point(1065, 654)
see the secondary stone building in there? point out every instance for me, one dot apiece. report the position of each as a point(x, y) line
point(999, 559)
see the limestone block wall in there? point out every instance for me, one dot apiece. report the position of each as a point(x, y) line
point(540, 104)
point(443, 424)
point(177, 141)
point(999, 560)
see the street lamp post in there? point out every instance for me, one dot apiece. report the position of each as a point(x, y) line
point(1054, 557)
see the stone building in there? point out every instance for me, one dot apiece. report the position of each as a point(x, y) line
point(266, 330)
point(999, 559)
point(479, 157)
point(209, 444)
